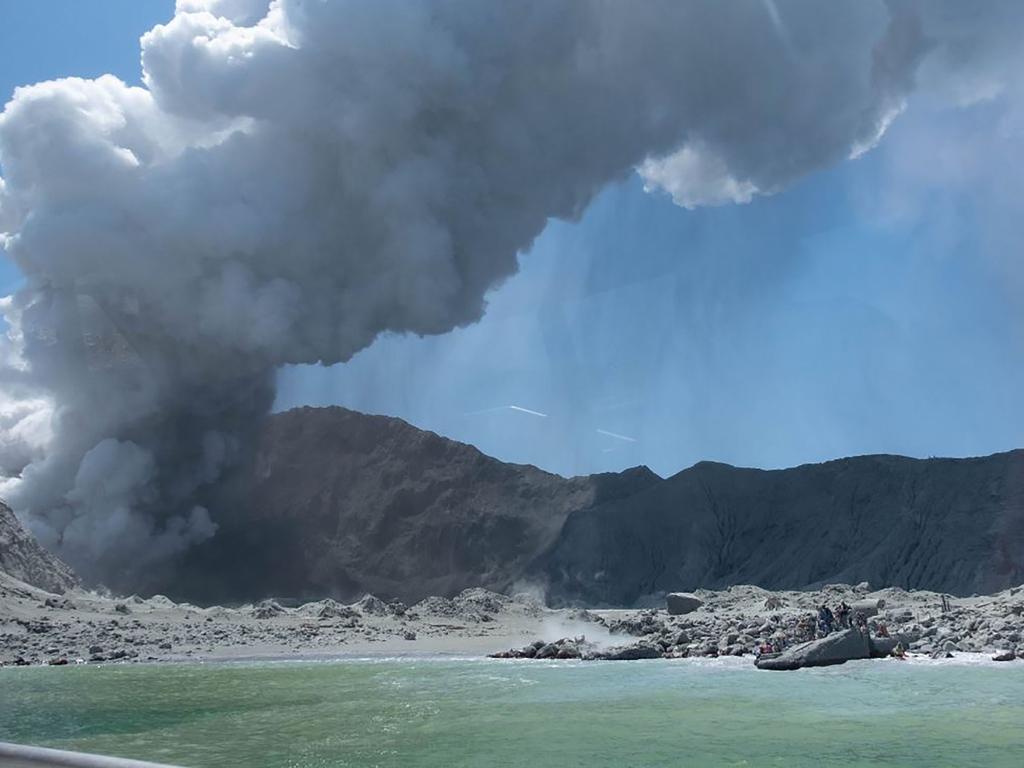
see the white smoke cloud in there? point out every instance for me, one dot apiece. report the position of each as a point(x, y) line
point(695, 177)
point(297, 177)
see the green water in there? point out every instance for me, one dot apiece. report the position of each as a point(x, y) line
point(427, 712)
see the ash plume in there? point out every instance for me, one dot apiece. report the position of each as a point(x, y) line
point(297, 177)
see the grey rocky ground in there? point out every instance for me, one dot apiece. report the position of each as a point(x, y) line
point(733, 622)
point(37, 627)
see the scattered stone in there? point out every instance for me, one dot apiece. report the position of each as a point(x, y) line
point(481, 600)
point(41, 627)
point(436, 606)
point(329, 609)
point(369, 605)
point(122, 608)
point(267, 609)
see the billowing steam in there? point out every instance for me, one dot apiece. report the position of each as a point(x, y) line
point(297, 177)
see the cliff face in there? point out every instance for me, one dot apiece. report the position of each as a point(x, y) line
point(338, 503)
point(23, 558)
point(951, 525)
point(341, 503)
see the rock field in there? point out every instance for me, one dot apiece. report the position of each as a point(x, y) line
point(38, 627)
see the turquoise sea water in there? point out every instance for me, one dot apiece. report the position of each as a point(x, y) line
point(435, 712)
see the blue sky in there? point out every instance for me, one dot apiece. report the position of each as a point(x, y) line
point(872, 307)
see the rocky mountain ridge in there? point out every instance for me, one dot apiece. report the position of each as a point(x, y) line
point(949, 525)
point(343, 503)
point(338, 504)
point(23, 558)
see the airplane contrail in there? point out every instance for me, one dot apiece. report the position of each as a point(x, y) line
point(527, 410)
point(616, 436)
point(508, 408)
point(780, 27)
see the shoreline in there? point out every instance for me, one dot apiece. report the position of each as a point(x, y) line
point(725, 663)
point(39, 628)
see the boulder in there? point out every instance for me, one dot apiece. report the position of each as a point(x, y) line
point(568, 651)
point(1004, 656)
point(630, 652)
point(868, 607)
point(681, 638)
point(837, 648)
point(882, 647)
point(680, 603)
point(548, 651)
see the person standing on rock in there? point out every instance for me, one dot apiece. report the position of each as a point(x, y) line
point(861, 621)
point(825, 619)
point(807, 627)
point(843, 614)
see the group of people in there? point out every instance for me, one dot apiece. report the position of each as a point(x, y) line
point(825, 621)
point(844, 617)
